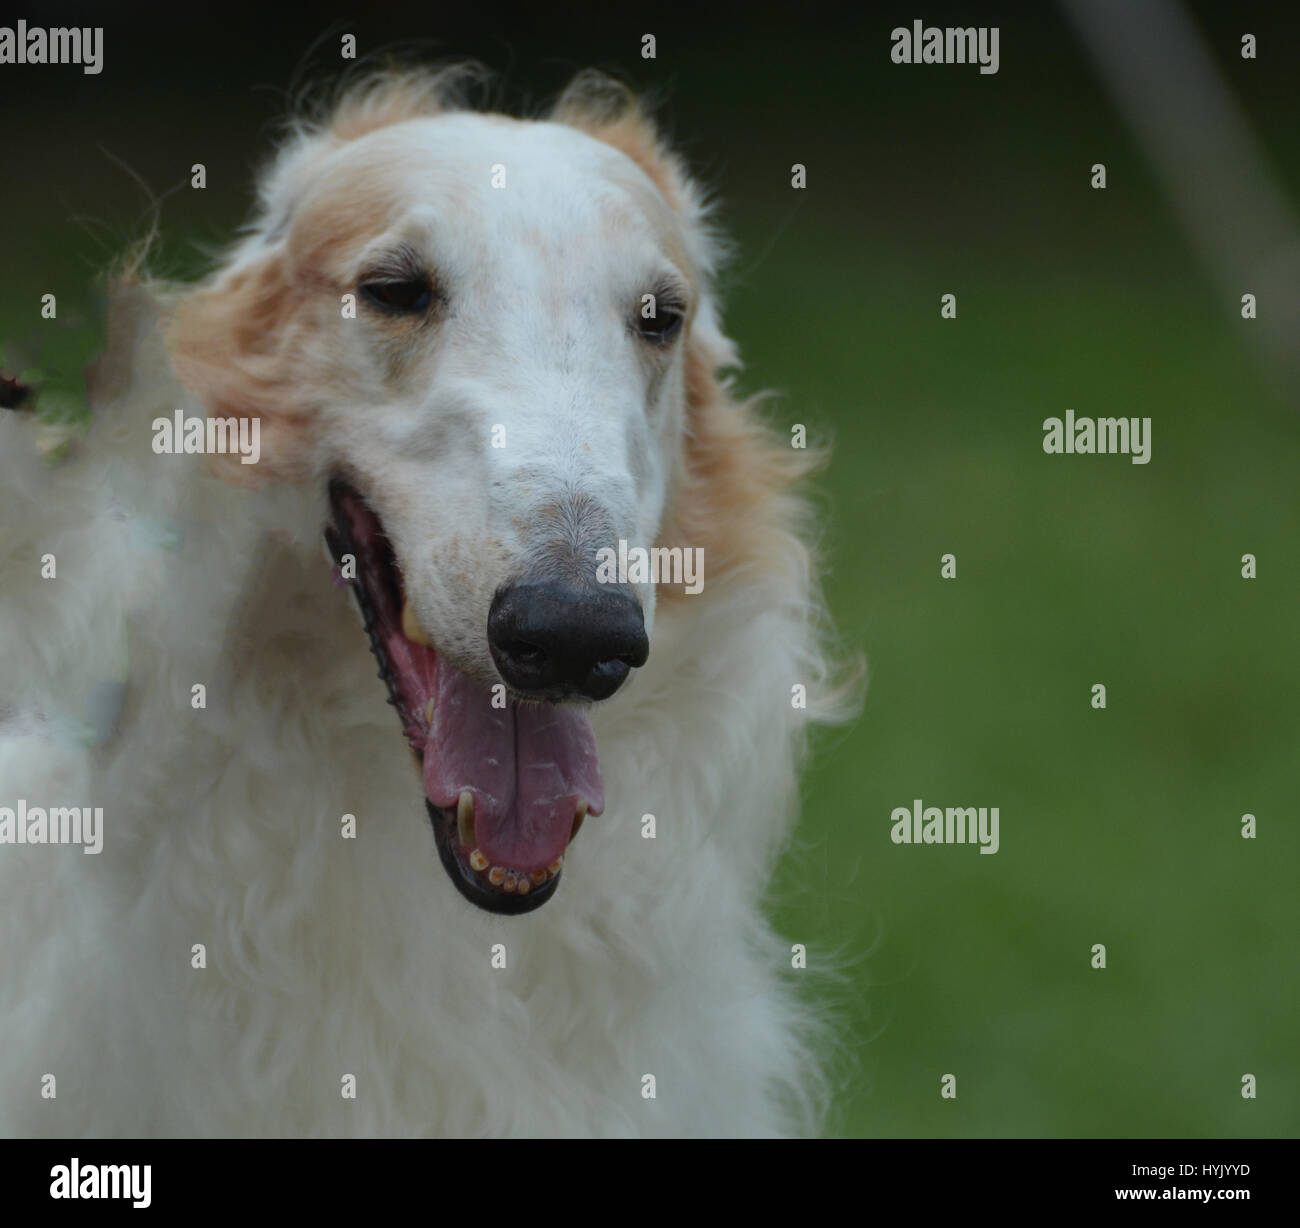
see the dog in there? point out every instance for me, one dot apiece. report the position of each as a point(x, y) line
point(516, 886)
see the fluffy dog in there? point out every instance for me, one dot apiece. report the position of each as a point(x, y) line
point(483, 358)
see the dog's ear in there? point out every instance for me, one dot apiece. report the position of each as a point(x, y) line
point(232, 342)
point(608, 111)
point(242, 340)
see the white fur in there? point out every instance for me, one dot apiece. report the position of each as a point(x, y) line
point(329, 957)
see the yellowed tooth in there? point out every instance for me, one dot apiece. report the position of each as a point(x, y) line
point(523, 886)
point(497, 875)
point(579, 815)
point(538, 877)
point(477, 861)
point(411, 626)
point(428, 711)
point(554, 868)
point(465, 819)
point(511, 882)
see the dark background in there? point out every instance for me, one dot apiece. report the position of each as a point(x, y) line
point(1118, 826)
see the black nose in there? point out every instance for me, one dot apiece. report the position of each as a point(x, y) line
point(558, 640)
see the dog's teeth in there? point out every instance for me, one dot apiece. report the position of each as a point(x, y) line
point(411, 627)
point(554, 868)
point(523, 886)
point(511, 882)
point(579, 815)
point(428, 711)
point(465, 819)
point(497, 875)
point(477, 861)
point(538, 877)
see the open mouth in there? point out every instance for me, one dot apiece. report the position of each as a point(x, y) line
point(507, 784)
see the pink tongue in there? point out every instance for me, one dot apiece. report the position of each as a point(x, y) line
point(527, 765)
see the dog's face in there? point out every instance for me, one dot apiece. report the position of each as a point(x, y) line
point(480, 326)
point(508, 397)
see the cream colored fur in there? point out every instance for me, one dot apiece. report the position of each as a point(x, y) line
point(329, 957)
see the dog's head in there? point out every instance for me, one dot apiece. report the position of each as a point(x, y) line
point(478, 333)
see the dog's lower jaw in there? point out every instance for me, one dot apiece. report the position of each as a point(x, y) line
point(468, 882)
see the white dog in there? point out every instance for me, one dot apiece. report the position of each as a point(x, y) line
point(481, 354)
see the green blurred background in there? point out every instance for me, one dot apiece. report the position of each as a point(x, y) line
point(1120, 826)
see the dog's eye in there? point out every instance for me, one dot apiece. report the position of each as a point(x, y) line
point(661, 327)
point(405, 297)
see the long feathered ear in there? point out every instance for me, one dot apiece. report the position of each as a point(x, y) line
point(232, 343)
point(227, 338)
point(236, 339)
